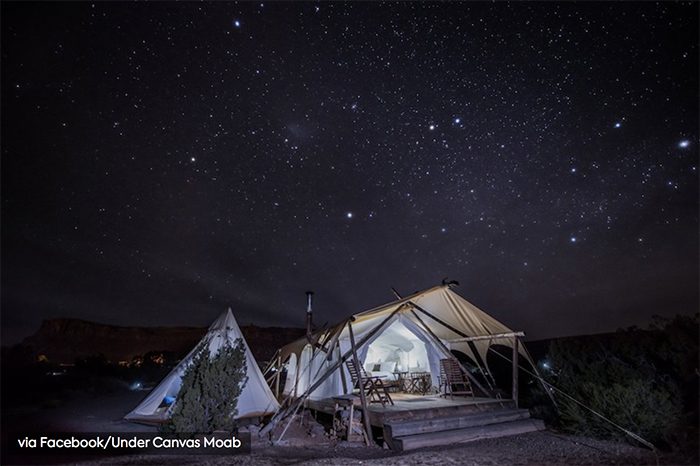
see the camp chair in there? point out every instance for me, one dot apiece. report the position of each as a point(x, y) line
point(453, 380)
point(374, 388)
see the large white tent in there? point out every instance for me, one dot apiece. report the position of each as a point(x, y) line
point(409, 334)
point(255, 400)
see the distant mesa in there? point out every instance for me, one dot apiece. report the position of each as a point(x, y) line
point(62, 341)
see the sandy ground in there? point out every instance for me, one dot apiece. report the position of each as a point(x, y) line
point(537, 448)
point(104, 413)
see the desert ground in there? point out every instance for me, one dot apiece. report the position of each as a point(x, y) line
point(306, 443)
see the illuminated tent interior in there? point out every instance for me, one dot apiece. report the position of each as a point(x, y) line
point(397, 349)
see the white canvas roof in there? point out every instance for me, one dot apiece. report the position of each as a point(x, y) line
point(256, 399)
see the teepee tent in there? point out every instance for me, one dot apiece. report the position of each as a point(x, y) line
point(255, 400)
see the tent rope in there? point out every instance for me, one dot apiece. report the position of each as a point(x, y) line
point(548, 384)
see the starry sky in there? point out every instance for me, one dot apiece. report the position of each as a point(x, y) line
point(163, 161)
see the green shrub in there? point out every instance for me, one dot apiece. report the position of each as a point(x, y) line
point(636, 378)
point(208, 397)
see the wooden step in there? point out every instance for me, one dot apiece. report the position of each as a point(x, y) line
point(469, 434)
point(393, 414)
point(423, 426)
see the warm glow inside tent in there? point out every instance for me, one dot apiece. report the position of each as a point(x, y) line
point(410, 334)
point(255, 400)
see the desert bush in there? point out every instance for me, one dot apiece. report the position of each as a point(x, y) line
point(636, 378)
point(208, 396)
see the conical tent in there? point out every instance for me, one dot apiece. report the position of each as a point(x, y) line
point(255, 400)
point(430, 324)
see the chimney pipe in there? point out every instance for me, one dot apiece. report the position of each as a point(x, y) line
point(309, 314)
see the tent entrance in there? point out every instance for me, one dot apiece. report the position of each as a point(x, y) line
point(400, 357)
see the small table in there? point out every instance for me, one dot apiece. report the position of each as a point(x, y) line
point(402, 380)
point(420, 382)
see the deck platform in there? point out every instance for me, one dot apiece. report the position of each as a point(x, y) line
point(418, 421)
point(408, 406)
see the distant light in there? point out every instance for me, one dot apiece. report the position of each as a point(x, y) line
point(573, 169)
point(431, 127)
point(443, 229)
point(237, 23)
point(618, 124)
point(193, 159)
point(349, 215)
point(458, 121)
point(573, 239)
point(136, 386)
point(684, 144)
point(545, 365)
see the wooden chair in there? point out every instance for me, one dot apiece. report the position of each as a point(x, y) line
point(452, 380)
point(374, 388)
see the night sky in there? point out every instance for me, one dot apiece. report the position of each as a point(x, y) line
point(161, 162)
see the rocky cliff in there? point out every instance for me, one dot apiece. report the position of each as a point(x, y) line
point(65, 340)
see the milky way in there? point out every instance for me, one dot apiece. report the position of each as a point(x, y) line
point(164, 161)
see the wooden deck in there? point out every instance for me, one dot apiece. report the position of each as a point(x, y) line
point(408, 406)
point(416, 421)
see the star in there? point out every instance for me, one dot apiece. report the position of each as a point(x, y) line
point(684, 144)
point(458, 120)
point(431, 127)
point(237, 23)
point(348, 215)
point(573, 239)
point(618, 124)
point(192, 159)
point(573, 170)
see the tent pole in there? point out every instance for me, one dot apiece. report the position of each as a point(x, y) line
point(277, 379)
point(271, 363)
point(334, 341)
point(494, 336)
point(281, 413)
point(449, 354)
point(449, 327)
point(515, 370)
point(363, 397)
point(322, 345)
point(440, 321)
point(343, 379)
point(462, 334)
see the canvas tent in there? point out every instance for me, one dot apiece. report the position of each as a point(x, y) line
point(255, 400)
point(411, 333)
